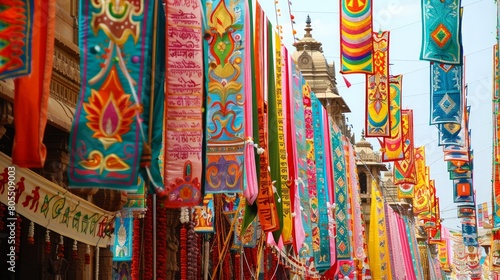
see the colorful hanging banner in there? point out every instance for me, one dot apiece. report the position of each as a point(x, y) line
point(225, 97)
point(378, 247)
point(183, 111)
point(404, 170)
point(322, 261)
point(356, 47)
point(341, 197)
point(311, 169)
point(392, 147)
point(31, 92)
point(276, 145)
point(330, 186)
point(495, 249)
point(480, 218)
point(107, 135)
point(496, 73)
point(54, 207)
point(450, 134)
point(124, 231)
point(421, 189)
point(305, 249)
point(377, 106)
point(203, 215)
point(463, 191)
point(247, 238)
point(395, 248)
point(446, 93)
point(441, 31)
point(486, 215)
point(16, 27)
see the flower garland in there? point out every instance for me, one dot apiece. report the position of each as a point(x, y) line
point(31, 233)
point(237, 265)
point(148, 241)
point(136, 250)
point(87, 255)
point(60, 248)
point(227, 266)
point(199, 241)
point(184, 218)
point(192, 254)
point(161, 242)
point(215, 252)
point(47, 242)
point(266, 262)
point(75, 250)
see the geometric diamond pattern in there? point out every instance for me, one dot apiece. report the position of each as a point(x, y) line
point(447, 104)
point(441, 35)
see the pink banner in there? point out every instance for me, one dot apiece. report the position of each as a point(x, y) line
point(184, 102)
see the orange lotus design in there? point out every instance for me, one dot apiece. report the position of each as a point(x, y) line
point(97, 161)
point(110, 112)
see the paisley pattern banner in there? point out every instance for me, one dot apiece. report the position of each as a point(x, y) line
point(311, 169)
point(446, 93)
point(404, 170)
point(356, 47)
point(441, 31)
point(342, 198)
point(107, 136)
point(378, 247)
point(225, 112)
point(318, 111)
point(15, 32)
point(392, 147)
point(184, 103)
point(378, 101)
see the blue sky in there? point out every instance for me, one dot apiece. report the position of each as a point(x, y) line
point(403, 19)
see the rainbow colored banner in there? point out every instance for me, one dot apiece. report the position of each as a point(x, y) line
point(441, 31)
point(107, 136)
point(225, 96)
point(392, 147)
point(16, 26)
point(356, 47)
point(377, 106)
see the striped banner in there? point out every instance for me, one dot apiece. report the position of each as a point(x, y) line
point(356, 47)
point(378, 101)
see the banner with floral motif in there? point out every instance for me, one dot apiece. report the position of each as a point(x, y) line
point(107, 137)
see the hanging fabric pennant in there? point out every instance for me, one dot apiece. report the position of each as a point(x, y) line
point(463, 191)
point(405, 245)
point(395, 248)
point(204, 215)
point(282, 90)
point(356, 47)
point(459, 170)
point(107, 136)
point(377, 106)
point(31, 93)
point(124, 231)
point(16, 21)
point(412, 241)
point(378, 247)
point(267, 211)
point(276, 145)
point(441, 31)
point(297, 102)
point(318, 111)
point(450, 134)
point(404, 170)
point(330, 186)
point(311, 169)
point(496, 73)
point(444, 250)
point(184, 102)
point(421, 188)
point(341, 197)
point(446, 93)
point(225, 96)
point(392, 147)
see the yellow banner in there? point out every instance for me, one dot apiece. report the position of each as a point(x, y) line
point(54, 207)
